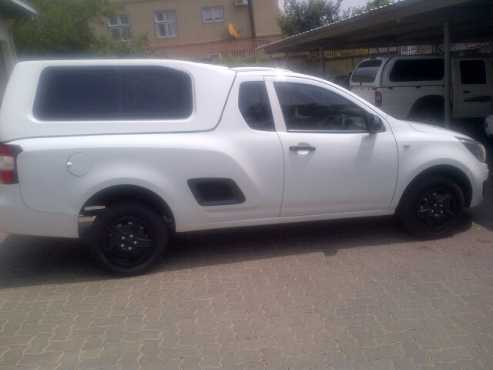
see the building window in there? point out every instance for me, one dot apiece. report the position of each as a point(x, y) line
point(165, 21)
point(119, 27)
point(213, 14)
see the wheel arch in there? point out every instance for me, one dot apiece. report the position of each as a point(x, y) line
point(449, 171)
point(426, 101)
point(105, 197)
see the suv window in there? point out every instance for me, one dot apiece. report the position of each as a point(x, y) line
point(473, 72)
point(255, 106)
point(366, 71)
point(418, 70)
point(312, 108)
point(113, 93)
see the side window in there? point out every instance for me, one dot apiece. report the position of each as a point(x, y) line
point(413, 70)
point(255, 106)
point(113, 93)
point(156, 93)
point(312, 108)
point(473, 72)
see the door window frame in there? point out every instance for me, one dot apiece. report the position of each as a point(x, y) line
point(280, 123)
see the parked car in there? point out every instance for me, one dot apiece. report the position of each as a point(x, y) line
point(413, 87)
point(148, 148)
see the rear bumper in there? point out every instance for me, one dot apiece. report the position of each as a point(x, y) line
point(17, 218)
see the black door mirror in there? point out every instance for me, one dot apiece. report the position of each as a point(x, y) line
point(374, 124)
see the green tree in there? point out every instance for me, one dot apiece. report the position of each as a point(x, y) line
point(370, 5)
point(299, 16)
point(66, 28)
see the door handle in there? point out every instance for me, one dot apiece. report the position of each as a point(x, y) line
point(302, 148)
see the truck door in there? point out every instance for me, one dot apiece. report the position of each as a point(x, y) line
point(473, 87)
point(333, 165)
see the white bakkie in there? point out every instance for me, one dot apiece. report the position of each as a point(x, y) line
point(148, 148)
point(412, 87)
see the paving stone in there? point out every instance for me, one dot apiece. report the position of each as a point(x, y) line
point(352, 295)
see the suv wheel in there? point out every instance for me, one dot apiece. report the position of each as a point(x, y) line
point(432, 207)
point(128, 238)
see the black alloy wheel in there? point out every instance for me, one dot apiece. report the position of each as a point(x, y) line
point(438, 207)
point(128, 238)
point(432, 207)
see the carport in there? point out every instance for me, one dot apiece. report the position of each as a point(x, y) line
point(407, 22)
point(16, 8)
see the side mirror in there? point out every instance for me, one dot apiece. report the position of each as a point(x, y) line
point(374, 124)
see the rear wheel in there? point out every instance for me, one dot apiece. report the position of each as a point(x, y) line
point(128, 238)
point(432, 207)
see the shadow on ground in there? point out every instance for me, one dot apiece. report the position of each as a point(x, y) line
point(28, 261)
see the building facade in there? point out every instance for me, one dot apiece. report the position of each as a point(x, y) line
point(197, 29)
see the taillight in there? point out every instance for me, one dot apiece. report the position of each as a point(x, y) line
point(378, 98)
point(8, 165)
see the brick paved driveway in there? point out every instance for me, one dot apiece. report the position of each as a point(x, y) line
point(346, 295)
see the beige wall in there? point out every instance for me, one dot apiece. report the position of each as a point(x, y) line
point(197, 39)
point(266, 13)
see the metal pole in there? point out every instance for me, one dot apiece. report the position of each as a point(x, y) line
point(447, 76)
point(321, 54)
point(252, 19)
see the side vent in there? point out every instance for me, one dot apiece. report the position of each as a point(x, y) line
point(216, 192)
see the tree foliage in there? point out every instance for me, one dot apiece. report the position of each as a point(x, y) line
point(66, 28)
point(370, 5)
point(299, 16)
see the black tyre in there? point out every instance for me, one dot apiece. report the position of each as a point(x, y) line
point(432, 207)
point(128, 238)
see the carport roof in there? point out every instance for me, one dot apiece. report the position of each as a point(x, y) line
point(16, 8)
point(407, 22)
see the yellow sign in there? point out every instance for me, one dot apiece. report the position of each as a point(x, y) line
point(233, 31)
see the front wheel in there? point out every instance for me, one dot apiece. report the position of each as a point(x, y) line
point(432, 207)
point(128, 238)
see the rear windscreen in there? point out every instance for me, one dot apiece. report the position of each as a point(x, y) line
point(367, 71)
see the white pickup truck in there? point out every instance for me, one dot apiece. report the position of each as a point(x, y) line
point(147, 148)
point(412, 87)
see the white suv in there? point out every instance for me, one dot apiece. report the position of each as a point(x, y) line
point(147, 148)
point(412, 87)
